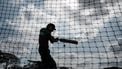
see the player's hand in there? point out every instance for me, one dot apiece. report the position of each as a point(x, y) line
point(56, 39)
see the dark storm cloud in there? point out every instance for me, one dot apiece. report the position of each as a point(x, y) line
point(100, 11)
point(117, 49)
point(109, 33)
point(111, 29)
point(37, 3)
point(96, 4)
point(112, 1)
point(7, 31)
point(114, 33)
point(10, 36)
point(8, 11)
point(91, 3)
point(13, 39)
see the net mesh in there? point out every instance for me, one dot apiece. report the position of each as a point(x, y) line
point(95, 24)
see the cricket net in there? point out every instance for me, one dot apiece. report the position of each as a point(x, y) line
point(95, 24)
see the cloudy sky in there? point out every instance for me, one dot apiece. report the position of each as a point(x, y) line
point(95, 24)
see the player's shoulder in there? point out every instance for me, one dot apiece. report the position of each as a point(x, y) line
point(43, 29)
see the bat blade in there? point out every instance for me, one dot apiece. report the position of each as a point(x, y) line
point(68, 41)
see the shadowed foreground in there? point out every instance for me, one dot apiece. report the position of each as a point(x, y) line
point(113, 68)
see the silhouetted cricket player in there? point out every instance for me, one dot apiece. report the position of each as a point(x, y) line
point(45, 36)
